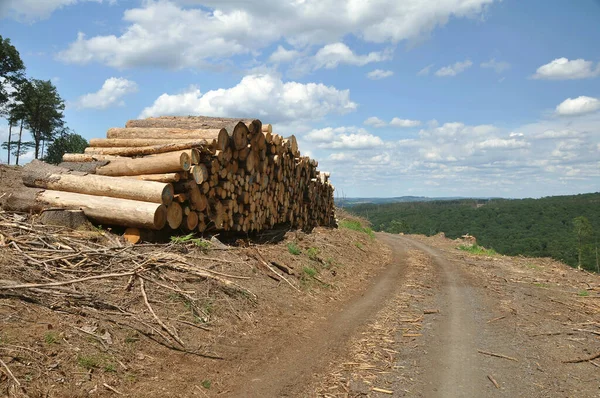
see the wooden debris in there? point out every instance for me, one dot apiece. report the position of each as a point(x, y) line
point(493, 381)
point(585, 359)
point(497, 355)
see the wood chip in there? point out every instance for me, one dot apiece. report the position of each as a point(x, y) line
point(382, 390)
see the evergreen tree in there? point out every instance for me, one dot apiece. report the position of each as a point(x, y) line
point(583, 230)
point(66, 143)
point(11, 70)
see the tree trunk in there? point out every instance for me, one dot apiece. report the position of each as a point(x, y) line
point(174, 215)
point(201, 122)
point(156, 164)
point(19, 142)
point(9, 139)
point(166, 177)
point(40, 175)
point(87, 157)
point(219, 135)
point(101, 209)
point(139, 142)
point(145, 150)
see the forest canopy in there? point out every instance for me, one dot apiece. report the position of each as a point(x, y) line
point(566, 228)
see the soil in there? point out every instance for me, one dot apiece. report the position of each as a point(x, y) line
point(356, 316)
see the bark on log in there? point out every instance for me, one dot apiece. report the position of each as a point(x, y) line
point(155, 164)
point(100, 209)
point(39, 175)
point(166, 177)
point(145, 150)
point(208, 134)
point(86, 157)
point(136, 142)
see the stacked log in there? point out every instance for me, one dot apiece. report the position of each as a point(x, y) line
point(216, 174)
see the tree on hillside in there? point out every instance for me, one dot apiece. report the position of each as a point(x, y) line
point(11, 70)
point(66, 143)
point(43, 112)
point(583, 230)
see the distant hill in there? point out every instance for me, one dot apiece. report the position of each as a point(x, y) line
point(531, 227)
point(400, 199)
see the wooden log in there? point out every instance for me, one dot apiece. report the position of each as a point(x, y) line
point(166, 177)
point(100, 209)
point(266, 128)
point(220, 135)
point(201, 122)
point(145, 150)
point(139, 142)
point(40, 175)
point(190, 221)
point(200, 173)
point(239, 136)
point(156, 164)
point(86, 157)
point(174, 215)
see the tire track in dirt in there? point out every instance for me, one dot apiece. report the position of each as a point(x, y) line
point(291, 370)
point(454, 367)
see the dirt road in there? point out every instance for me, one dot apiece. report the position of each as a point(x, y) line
point(440, 323)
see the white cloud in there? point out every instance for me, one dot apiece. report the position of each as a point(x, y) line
point(344, 138)
point(425, 71)
point(375, 122)
point(497, 66)
point(563, 69)
point(578, 106)
point(265, 96)
point(281, 55)
point(165, 34)
point(111, 94)
point(32, 10)
point(331, 55)
point(455, 69)
point(378, 74)
point(397, 122)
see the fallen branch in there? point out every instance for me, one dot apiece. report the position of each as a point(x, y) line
point(50, 284)
point(493, 381)
point(586, 359)
point(9, 372)
point(262, 260)
point(587, 330)
point(496, 319)
point(493, 354)
point(160, 322)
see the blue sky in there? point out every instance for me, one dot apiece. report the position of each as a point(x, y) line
point(445, 98)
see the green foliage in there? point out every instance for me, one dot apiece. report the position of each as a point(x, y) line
point(583, 293)
point(11, 69)
point(356, 226)
point(531, 227)
point(584, 231)
point(476, 249)
point(88, 361)
point(310, 271)
point(359, 245)
point(110, 368)
point(189, 238)
point(51, 337)
point(67, 143)
point(293, 248)
point(313, 253)
point(206, 384)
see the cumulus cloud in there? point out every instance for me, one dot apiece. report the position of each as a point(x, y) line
point(578, 106)
point(111, 94)
point(397, 122)
point(193, 33)
point(378, 74)
point(480, 160)
point(262, 95)
point(282, 55)
point(344, 138)
point(32, 10)
point(564, 69)
point(425, 71)
point(454, 69)
point(375, 122)
point(497, 66)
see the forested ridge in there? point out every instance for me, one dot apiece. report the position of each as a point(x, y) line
point(566, 228)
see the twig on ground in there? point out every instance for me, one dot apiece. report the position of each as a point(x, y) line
point(493, 381)
point(496, 319)
point(160, 322)
point(586, 359)
point(9, 372)
point(493, 354)
point(112, 389)
point(50, 284)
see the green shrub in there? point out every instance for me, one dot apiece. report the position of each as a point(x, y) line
point(293, 248)
point(356, 226)
point(310, 271)
point(479, 250)
point(313, 253)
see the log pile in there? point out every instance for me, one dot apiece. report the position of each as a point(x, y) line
point(192, 173)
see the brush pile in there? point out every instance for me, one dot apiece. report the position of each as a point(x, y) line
point(195, 173)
